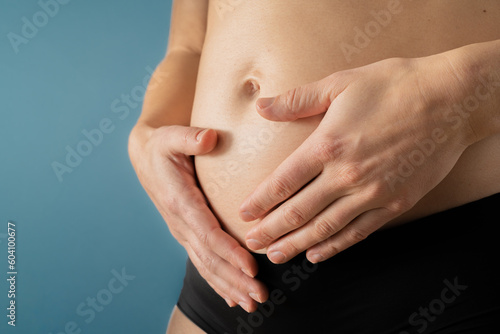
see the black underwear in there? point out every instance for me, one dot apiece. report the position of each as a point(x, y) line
point(433, 275)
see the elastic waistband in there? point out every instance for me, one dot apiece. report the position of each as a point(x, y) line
point(435, 230)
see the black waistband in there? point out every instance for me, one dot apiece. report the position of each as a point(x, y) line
point(433, 231)
point(375, 286)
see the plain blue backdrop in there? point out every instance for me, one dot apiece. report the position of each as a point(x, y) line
point(64, 72)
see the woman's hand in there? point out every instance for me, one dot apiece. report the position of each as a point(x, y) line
point(391, 132)
point(163, 162)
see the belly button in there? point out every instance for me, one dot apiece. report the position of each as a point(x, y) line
point(251, 87)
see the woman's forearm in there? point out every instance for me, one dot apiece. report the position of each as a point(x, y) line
point(169, 96)
point(170, 93)
point(478, 67)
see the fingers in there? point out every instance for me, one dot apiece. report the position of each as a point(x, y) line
point(168, 173)
point(178, 139)
point(230, 283)
point(305, 101)
point(229, 249)
point(202, 223)
point(302, 166)
point(356, 231)
point(291, 215)
point(297, 170)
point(327, 223)
point(223, 261)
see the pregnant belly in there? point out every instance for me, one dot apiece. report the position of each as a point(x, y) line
point(246, 153)
point(242, 60)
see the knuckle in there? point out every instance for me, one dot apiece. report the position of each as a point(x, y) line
point(236, 283)
point(355, 235)
point(257, 205)
point(290, 248)
point(352, 175)
point(236, 290)
point(279, 188)
point(203, 238)
point(241, 283)
point(232, 253)
point(195, 198)
point(204, 266)
point(200, 237)
point(265, 237)
point(204, 272)
point(293, 216)
point(292, 100)
point(327, 151)
point(324, 229)
point(331, 249)
point(177, 231)
point(210, 264)
point(170, 204)
point(401, 204)
point(206, 237)
point(378, 190)
point(199, 251)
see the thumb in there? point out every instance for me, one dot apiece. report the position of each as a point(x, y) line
point(305, 101)
point(189, 140)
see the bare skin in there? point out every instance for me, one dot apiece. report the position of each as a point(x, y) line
point(179, 323)
point(350, 178)
point(252, 51)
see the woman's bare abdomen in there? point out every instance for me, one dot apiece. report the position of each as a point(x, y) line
point(263, 48)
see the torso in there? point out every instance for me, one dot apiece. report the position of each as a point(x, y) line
point(263, 48)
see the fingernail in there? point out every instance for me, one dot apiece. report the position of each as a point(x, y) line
point(315, 258)
point(277, 257)
point(247, 216)
point(246, 272)
point(265, 102)
point(245, 306)
point(255, 297)
point(200, 134)
point(229, 302)
point(254, 244)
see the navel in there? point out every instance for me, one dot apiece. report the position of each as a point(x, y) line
point(251, 87)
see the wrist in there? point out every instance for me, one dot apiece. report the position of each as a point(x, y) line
point(137, 140)
point(477, 70)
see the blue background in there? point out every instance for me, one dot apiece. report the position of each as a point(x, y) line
point(72, 234)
